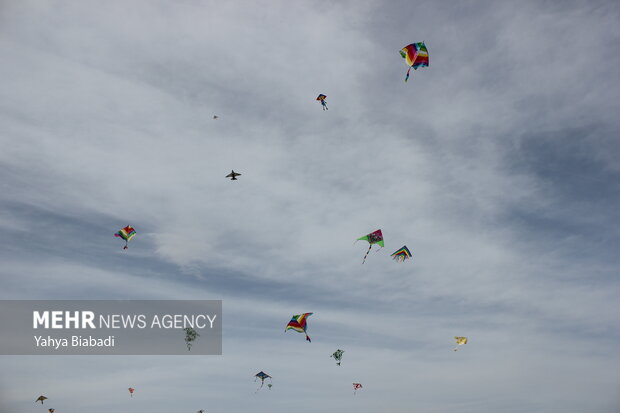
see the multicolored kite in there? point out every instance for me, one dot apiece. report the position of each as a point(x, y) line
point(322, 98)
point(126, 233)
point(402, 254)
point(337, 356)
point(459, 342)
point(372, 238)
point(131, 390)
point(298, 323)
point(190, 336)
point(416, 56)
point(356, 386)
point(262, 376)
point(40, 399)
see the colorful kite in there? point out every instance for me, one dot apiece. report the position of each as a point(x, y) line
point(337, 356)
point(298, 323)
point(402, 254)
point(372, 238)
point(126, 233)
point(262, 376)
point(131, 390)
point(459, 342)
point(356, 386)
point(40, 399)
point(51, 410)
point(322, 98)
point(190, 336)
point(416, 56)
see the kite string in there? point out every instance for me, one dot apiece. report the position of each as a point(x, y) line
point(369, 247)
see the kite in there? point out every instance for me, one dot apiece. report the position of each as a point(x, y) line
point(215, 117)
point(51, 410)
point(131, 390)
point(459, 342)
point(201, 411)
point(402, 254)
point(40, 399)
point(372, 238)
point(190, 336)
point(126, 233)
point(233, 176)
point(356, 386)
point(269, 385)
point(298, 323)
point(337, 356)
point(262, 376)
point(416, 56)
point(322, 98)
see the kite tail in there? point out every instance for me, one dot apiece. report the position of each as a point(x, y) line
point(407, 77)
point(369, 247)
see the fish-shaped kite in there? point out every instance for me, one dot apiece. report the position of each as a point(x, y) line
point(299, 324)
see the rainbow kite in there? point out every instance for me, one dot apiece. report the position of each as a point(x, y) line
point(126, 233)
point(402, 254)
point(372, 238)
point(298, 323)
point(416, 56)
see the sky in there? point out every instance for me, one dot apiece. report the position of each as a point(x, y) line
point(497, 166)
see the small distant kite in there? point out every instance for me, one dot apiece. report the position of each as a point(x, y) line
point(131, 390)
point(337, 356)
point(402, 254)
point(215, 117)
point(40, 399)
point(322, 98)
point(233, 176)
point(51, 410)
point(298, 323)
point(372, 238)
point(201, 411)
point(269, 385)
point(356, 387)
point(262, 376)
point(190, 336)
point(416, 56)
point(459, 342)
point(127, 234)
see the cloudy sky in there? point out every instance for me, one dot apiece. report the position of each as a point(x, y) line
point(497, 166)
